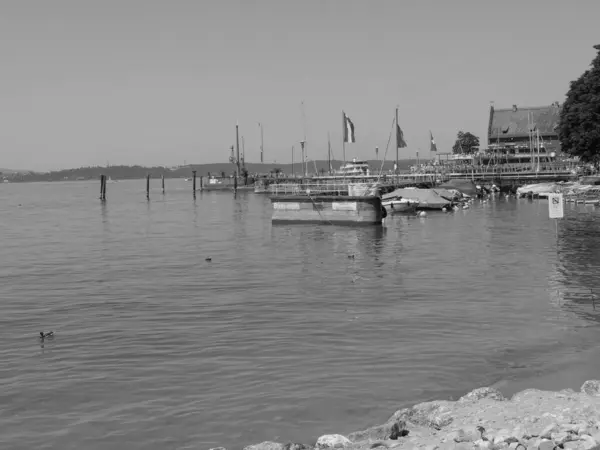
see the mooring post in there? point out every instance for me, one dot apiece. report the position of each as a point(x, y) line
point(162, 179)
point(194, 182)
point(102, 187)
point(201, 181)
point(148, 187)
point(235, 183)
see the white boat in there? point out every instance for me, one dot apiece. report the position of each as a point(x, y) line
point(353, 169)
point(393, 202)
point(400, 205)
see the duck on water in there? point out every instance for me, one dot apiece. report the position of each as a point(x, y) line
point(49, 334)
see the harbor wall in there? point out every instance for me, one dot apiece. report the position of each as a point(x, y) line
point(327, 210)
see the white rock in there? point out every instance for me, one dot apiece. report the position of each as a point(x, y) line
point(587, 441)
point(547, 432)
point(561, 437)
point(333, 441)
point(267, 445)
point(501, 436)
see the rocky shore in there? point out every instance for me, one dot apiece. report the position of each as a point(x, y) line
point(482, 419)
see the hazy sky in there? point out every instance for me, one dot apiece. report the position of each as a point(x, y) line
point(162, 82)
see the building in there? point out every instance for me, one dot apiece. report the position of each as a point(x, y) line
point(515, 130)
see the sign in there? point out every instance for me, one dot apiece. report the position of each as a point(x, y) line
point(555, 206)
point(286, 206)
point(343, 206)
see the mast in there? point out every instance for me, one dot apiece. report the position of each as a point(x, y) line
point(328, 153)
point(396, 122)
point(261, 142)
point(293, 171)
point(303, 143)
point(237, 146)
point(243, 153)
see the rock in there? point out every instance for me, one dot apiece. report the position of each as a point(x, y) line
point(547, 432)
point(436, 414)
point(484, 392)
point(378, 444)
point(591, 388)
point(295, 446)
point(398, 430)
point(467, 434)
point(561, 437)
point(333, 441)
point(573, 445)
point(480, 443)
point(587, 442)
point(218, 448)
point(546, 445)
point(463, 446)
point(373, 433)
point(267, 445)
point(501, 436)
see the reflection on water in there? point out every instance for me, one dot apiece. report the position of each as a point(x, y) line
point(289, 332)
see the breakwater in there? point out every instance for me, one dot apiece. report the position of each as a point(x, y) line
point(482, 419)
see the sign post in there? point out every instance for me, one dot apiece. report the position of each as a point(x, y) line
point(555, 209)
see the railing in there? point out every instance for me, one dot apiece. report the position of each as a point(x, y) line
point(326, 188)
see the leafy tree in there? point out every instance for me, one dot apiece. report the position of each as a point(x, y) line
point(465, 143)
point(579, 127)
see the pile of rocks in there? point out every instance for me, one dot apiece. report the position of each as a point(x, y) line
point(482, 419)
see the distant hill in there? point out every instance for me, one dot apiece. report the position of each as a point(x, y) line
point(11, 171)
point(217, 169)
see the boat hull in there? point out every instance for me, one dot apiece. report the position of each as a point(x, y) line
point(396, 206)
point(331, 210)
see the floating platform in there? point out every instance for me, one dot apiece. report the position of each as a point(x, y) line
point(326, 209)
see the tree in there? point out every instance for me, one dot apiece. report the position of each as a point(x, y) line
point(465, 143)
point(579, 126)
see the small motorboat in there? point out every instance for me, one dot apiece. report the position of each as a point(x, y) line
point(399, 205)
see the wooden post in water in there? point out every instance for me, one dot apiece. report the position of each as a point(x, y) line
point(162, 179)
point(148, 187)
point(194, 182)
point(201, 181)
point(103, 187)
point(235, 183)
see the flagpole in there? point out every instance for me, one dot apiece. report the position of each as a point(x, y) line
point(344, 131)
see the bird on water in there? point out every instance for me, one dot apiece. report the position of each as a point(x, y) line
point(49, 334)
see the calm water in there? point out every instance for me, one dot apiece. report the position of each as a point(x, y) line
point(282, 336)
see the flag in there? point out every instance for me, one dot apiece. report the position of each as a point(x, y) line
point(348, 129)
point(433, 147)
point(400, 137)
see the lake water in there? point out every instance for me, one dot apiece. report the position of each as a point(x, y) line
point(281, 336)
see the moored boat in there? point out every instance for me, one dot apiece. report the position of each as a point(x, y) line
point(327, 209)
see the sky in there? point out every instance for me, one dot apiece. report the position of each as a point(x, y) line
point(164, 82)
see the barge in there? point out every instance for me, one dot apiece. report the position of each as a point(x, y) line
point(327, 209)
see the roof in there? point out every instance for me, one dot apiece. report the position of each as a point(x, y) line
point(516, 121)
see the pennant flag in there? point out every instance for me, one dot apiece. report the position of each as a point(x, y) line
point(348, 129)
point(433, 147)
point(400, 137)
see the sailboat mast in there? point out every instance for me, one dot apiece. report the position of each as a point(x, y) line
point(237, 146)
point(344, 131)
point(261, 142)
point(328, 153)
point(396, 121)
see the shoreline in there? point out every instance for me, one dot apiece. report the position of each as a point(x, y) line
point(482, 419)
